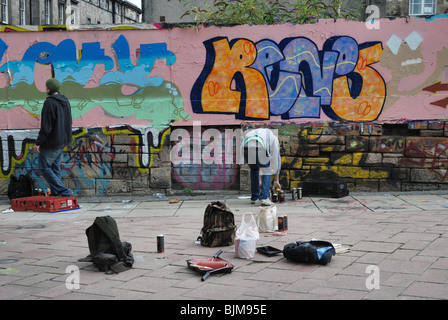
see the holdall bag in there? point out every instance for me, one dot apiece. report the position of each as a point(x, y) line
point(311, 252)
point(20, 187)
point(107, 252)
point(219, 226)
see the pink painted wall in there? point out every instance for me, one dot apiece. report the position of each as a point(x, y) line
point(411, 60)
point(327, 71)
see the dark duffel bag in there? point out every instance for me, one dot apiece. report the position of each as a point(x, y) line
point(319, 252)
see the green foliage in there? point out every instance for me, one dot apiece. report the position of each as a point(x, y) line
point(259, 12)
point(302, 11)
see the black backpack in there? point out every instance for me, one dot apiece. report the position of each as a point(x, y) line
point(20, 187)
point(219, 226)
point(311, 252)
point(107, 252)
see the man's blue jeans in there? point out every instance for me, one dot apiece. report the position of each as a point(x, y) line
point(50, 168)
point(258, 193)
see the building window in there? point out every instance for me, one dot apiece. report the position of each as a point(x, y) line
point(5, 13)
point(47, 11)
point(61, 13)
point(22, 13)
point(422, 7)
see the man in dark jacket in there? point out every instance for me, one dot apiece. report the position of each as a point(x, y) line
point(54, 135)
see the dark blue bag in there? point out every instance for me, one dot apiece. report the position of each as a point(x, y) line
point(310, 252)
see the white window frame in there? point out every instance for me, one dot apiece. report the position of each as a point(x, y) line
point(422, 6)
point(22, 13)
point(5, 11)
point(47, 11)
point(61, 13)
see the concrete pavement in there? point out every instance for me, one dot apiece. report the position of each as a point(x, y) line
point(395, 247)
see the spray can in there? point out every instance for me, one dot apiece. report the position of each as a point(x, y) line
point(281, 196)
point(294, 194)
point(281, 223)
point(299, 193)
point(285, 222)
point(275, 195)
point(160, 243)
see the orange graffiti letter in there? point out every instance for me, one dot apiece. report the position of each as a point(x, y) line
point(371, 89)
point(232, 80)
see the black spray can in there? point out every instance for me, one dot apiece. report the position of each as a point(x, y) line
point(285, 222)
point(160, 243)
point(275, 195)
point(281, 196)
point(281, 225)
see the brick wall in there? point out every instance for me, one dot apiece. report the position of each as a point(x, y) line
point(370, 157)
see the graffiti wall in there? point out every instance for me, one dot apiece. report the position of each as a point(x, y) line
point(339, 71)
point(129, 89)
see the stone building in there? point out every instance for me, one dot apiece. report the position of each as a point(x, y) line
point(403, 8)
point(170, 11)
point(68, 12)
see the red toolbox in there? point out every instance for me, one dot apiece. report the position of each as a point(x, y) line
point(44, 204)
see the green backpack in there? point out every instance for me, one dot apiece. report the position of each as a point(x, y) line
point(107, 252)
point(219, 226)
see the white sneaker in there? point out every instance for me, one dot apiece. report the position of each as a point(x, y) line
point(266, 202)
point(255, 202)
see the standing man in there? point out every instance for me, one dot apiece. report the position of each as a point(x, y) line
point(261, 151)
point(54, 135)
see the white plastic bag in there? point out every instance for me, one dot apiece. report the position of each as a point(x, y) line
point(246, 237)
point(267, 219)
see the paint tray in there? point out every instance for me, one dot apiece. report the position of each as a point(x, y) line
point(269, 251)
point(210, 265)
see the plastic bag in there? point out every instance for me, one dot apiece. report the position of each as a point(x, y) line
point(246, 237)
point(267, 219)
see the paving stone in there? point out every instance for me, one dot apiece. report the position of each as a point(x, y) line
point(376, 246)
point(404, 266)
point(401, 280)
point(407, 245)
point(427, 290)
point(384, 293)
point(348, 282)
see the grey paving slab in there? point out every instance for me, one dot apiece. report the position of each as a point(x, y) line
point(404, 235)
